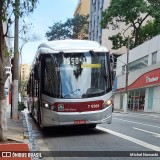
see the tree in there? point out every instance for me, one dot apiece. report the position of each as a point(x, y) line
point(80, 27)
point(7, 13)
point(73, 28)
point(15, 63)
point(23, 87)
point(141, 18)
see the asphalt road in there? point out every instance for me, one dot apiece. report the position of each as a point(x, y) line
point(132, 132)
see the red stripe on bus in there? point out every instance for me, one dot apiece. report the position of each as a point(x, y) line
point(78, 106)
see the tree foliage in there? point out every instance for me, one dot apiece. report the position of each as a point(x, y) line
point(73, 28)
point(8, 12)
point(141, 19)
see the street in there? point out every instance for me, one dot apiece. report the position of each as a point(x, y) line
point(128, 132)
point(80, 79)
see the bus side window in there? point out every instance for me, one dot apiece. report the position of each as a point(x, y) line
point(36, 74)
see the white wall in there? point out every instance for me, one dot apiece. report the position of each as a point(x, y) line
point(142, 50)
point(134, 75)
point(158, 49)
point(117, 101)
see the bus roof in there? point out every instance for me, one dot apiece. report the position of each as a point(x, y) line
point(70, 45)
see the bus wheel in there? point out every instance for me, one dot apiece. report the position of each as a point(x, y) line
point(40, 120)
point(92, 125)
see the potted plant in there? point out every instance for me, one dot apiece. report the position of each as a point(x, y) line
point(21, 107)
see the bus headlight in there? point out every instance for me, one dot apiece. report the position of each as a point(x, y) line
point(107, 103)
point(46, 105)
point(49, 106)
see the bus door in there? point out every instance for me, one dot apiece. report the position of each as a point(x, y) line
point(37, 95)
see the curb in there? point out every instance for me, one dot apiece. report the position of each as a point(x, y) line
point(26, 132)
point(34, 143)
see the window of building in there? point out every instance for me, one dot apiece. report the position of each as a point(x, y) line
point(94, 24)
point(97, 35)
point(95, 8)
point(135, 65)
point(154, 57)
point(98, 19)
point(7, 69)
point(138, 64)
point(100, 40)
point(102, 2)
point(98, 5)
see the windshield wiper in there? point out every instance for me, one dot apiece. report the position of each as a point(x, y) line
point(71, 93)
point(93, 53)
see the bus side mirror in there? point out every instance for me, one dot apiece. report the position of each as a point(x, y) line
point(113, 74)
point(36, 73)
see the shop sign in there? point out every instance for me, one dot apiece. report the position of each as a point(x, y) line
point(150, 78)
point(153, 79)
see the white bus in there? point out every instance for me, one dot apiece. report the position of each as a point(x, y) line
point(70, 84)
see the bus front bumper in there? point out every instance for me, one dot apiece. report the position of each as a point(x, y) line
point(77, 118)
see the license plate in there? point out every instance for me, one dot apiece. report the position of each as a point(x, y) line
point(80, 122)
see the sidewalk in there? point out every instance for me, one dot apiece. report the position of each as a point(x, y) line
point(16, 138)
point(15, 128)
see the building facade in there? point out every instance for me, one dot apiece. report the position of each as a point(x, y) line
point(24, 71)
point(96, 32)
point(143, 78)
point(83, 7)
point(95, 29)
point(100, 35)
point(7, 64)
point(7, 85)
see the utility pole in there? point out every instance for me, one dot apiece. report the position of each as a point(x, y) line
point(15, 91)
point(126, 91)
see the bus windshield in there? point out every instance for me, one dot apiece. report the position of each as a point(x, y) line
point(76, 75)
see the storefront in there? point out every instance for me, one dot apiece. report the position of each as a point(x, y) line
point(143, 93)
point(136, 100)
point(143, 78)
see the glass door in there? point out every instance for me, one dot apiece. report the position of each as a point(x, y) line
point(150, 98)
point(142, 99)
point(136, 100)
